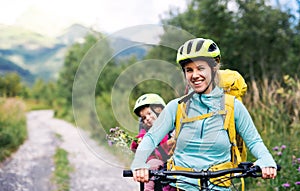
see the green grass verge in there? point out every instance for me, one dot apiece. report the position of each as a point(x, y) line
point(61, 176)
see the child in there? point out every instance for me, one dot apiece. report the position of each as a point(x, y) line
point(148, 107)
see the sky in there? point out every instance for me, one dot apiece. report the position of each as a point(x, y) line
point(51, 16)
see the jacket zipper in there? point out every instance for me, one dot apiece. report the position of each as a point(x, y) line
point(202, 126)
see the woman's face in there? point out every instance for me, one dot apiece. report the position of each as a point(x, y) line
point(198, 75)
point(148, 116)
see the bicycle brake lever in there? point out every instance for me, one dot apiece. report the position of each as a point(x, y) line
point(254, 171)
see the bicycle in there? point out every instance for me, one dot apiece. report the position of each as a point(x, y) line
point(244, 170)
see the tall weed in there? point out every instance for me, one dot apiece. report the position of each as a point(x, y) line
point(275, 108)
point(12, 125)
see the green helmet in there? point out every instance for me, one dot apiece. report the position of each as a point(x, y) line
point(147, 100)
point(195, 48)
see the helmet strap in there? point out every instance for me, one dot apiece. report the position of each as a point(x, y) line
point(153, 109)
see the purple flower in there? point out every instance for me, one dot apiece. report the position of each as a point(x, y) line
point(276, 148)
point(286, 185)
point(258, 183)
point(298, 159)
point(110, 143)
point(299, 168)
point(297, 183)
point(283, 147)
point(279, 153)
point(112, 130)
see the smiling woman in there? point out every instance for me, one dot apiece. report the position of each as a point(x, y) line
point(201, 142)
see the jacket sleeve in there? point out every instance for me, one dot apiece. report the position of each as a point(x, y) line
point(153, 137)
point(246, 128)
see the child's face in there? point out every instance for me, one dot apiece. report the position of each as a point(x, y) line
point(148, 116)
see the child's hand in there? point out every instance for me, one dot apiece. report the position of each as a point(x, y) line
point(139, 140)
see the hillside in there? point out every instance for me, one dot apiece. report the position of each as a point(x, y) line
point(131, 49)
point(42, 56)
point(33, 55)
point(7, 66)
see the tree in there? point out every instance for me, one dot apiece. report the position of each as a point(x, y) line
point(72, 60)
point(255, 38)
point(204, 18)
point(45, 92)
point(10, 85)
point(262, 40)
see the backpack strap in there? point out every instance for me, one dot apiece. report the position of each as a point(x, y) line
point(164, 155)
point(181, 111)
point(229, 125)
point(181, 107)
point(201, 117)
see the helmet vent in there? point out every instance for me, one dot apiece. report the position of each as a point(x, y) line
point(142, 99)
point(199, 45)
point(181, 50)
point(212, 47)
point(189, 47)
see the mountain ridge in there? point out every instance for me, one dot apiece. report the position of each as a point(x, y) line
point(7, 66)
point(43, 56)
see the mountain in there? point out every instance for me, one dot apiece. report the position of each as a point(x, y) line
point(74, 33)
point(34, 55)
point(7, 66)
point(42, 55)
point(126, 48)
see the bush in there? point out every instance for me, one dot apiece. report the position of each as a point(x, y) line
point(13, 130)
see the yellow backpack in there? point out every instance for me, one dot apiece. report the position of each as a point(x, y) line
point(234, 87)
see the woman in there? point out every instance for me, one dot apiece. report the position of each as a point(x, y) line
point(203, 143)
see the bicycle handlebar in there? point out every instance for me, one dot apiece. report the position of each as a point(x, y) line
point(246, 168)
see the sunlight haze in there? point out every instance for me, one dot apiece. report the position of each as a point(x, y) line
point(51, 16)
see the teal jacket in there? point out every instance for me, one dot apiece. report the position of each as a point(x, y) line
point(203, 143)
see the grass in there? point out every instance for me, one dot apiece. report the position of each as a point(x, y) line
point(36, 105)
point(275, 111)
point(61, 175)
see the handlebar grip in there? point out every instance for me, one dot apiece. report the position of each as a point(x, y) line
point(127, 173)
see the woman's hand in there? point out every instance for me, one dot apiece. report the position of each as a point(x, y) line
point(141, 175)
point(268, 172)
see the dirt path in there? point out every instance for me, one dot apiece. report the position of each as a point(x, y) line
point(30, 168)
